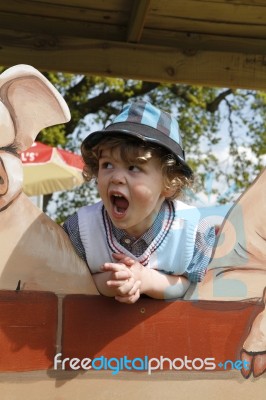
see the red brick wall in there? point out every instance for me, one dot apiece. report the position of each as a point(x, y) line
point(28, 325)
point(93, 326)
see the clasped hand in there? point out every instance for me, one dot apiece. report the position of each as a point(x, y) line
point(125, 278)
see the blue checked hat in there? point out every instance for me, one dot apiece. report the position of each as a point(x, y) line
point(145, 122)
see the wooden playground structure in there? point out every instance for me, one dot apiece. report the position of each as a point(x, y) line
point(212, 43)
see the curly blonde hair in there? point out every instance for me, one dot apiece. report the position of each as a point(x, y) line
point(134, 150)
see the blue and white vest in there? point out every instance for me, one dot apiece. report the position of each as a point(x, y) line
point(171, 251)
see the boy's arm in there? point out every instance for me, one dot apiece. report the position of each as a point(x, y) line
point(100, 280)
point(159, 285)
point(155, 284)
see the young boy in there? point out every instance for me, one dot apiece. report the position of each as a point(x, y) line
point(139, 238)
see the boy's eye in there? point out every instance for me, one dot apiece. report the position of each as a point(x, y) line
point(107, 165)
point(134, 168)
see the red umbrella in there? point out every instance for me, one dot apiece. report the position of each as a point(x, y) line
point(49, 169)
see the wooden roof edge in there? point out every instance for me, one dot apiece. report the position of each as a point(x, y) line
point(133, 61)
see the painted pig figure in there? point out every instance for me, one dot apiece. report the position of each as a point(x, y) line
point(238, 268)
point(34, 249)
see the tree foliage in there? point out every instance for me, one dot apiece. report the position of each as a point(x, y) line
point(223, 130)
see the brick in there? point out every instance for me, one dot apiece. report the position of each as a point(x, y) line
point(95, 326)
point(28, 326)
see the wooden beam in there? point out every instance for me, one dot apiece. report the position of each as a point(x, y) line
point(95, 57)
point(15, 25)
point(137, 19)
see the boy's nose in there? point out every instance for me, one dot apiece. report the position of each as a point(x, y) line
point(118, 177)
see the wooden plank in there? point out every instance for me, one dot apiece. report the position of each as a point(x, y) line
point(187, 42)
point(40, 25)
point(171, 21)
point(99, 5)
point(137, 20)
point(115, 31)
point(175, 24)
point(237, 2)
point(190, 42)
point(161, 14)
point(61, 11)
point(206, 10)
point(95, 57)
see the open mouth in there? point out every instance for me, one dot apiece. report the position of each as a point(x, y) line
point(120, 203)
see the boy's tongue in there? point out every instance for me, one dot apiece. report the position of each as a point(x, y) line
point(121, 203)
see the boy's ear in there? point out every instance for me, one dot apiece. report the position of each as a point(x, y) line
point(168, 192)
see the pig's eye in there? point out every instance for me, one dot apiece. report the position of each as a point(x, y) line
point(3, 179)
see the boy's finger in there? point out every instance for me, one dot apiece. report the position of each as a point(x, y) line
point(115, 267)
point(118, 256)
point(128, 299)
point(130, 288)
point(135, 288)
point(115, 283)
point(124, 289)
point(120, 276)
point(126, 259)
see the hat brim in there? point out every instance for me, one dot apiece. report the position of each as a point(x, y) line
point(141, 132)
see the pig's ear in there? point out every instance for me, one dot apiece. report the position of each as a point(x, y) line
point(32, 102)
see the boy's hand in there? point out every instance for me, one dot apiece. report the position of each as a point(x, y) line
point(135, 267)
point(123, 281)
point(155, 284)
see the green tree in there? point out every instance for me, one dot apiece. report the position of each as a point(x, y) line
point(208, 118)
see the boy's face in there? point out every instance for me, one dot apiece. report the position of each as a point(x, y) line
point(132, 193)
